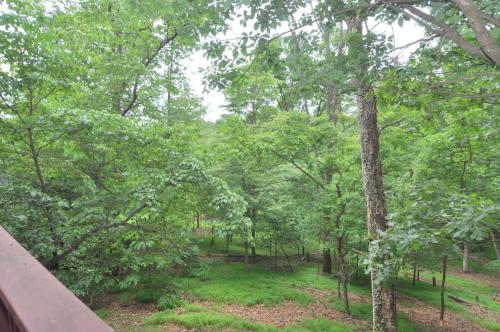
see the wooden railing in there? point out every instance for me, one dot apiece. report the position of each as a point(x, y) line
point(33, 300)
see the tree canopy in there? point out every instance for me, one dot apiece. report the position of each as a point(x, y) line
point(333, 143)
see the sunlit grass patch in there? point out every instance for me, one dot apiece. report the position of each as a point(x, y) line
point(426, 292)
point(317, 325)
point(206, 321)
point(229, 283)
point(194, 316)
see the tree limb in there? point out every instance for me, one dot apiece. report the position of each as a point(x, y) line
point(51, 263)
point(438, 27)
point(313, 179)
point(392, 124)
point(483, 35)
point(491, 19)
point(149, 60)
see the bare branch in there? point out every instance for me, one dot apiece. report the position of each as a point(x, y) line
point(149, 60)
point(392, 124)
point(313, 179)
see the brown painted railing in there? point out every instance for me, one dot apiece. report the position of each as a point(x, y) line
point(33, 300)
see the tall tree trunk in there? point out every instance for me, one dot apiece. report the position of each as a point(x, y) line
point(254, 252)
point(171, 81)
point(465, 258)
point(414, 274)
point(356, 274)
point(383, 299)
point(245, 257)
point(275, 260)
point(343, 278)
point(287, 259)
point(329, 109)
point(495, 245)
point(327, 261)
point(441, 315)
point(332, 94)
point(341, 251)
point(226, 249)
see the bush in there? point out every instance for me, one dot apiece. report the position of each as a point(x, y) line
point(200, 271)
point(493, 266)
point(147, 295)
point(168, 301)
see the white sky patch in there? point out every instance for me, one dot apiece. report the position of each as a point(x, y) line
point(213, 100)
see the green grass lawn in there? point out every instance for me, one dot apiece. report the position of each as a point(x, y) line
point(226, 282)
point(229, 283)
point(472, 291)
point(207, 319)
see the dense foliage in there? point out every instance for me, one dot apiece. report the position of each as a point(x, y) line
point(106, 160)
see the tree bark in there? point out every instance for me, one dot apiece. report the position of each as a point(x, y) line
point(245, 257)
point(465, 260)
point(441, 315)
point(226, 249)
point(254, 252)
point(383, 299)
point(275, 262)
point(330, 109)
point(341, 251)
point(494, 241)
point(343, 278)
point(414, 274)
point(327, 261)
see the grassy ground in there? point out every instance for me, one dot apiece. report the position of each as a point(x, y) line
point(473, 291)
point(204, 303)
point(202, 319)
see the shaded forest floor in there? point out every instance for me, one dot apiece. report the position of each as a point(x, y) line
point(220, 296)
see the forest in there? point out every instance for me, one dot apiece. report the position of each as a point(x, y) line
point(348, 181)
